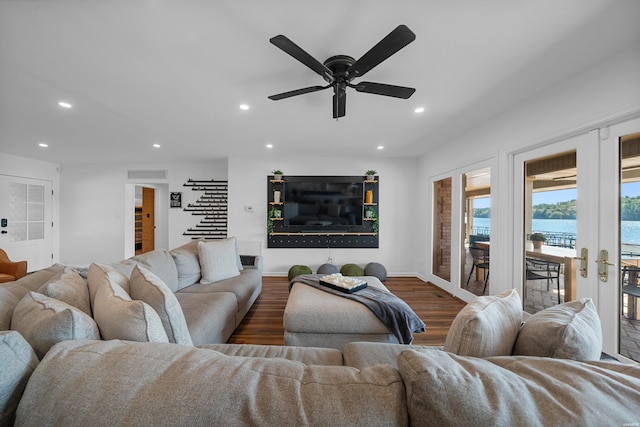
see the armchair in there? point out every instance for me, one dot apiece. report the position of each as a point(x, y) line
point(11, 270)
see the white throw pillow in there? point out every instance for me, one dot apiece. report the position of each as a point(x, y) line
point(45, 321)
point(146, 286)
point(487, 326)
point(117, 316)
point(567, 331)
point(218, 260)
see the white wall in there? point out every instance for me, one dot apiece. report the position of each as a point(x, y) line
point(94, 205)
point(398, 216)
point(598, 95)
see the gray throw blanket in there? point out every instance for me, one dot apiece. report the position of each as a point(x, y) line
point(392, 311)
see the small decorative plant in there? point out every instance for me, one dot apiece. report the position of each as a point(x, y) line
point(537, 237)
point(371, 174)
point(371, 214)
point(277, 173)
point(273, 213)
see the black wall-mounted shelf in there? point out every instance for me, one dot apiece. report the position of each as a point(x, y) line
point(356, 231)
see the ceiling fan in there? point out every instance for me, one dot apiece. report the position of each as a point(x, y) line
point(340, 70)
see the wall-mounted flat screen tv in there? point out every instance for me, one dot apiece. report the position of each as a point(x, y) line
point(322, 202)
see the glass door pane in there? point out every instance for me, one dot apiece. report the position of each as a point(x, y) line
point(476, 230)
point(630, 246)
point(550, 215)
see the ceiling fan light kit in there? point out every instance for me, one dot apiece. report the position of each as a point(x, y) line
point(340, 70)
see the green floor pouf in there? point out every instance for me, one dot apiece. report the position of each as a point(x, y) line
point(297, 270)
point(376, 269)
point(328, 269)
point(352, 270)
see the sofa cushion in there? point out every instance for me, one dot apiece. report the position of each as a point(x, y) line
point(306, 355)
point(70, 288)
point(361, 354)
point(45, 321)
point(446, 389)
point(218, 260)
point(119, 317)
point(211, 317)
point(487, 326)
point(187, 263)
point(12, 292)
point(168, 384)
point(146, 286)
point(17, 363)
point(567, 331)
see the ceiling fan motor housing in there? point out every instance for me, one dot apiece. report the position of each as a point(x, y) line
point(339, 66)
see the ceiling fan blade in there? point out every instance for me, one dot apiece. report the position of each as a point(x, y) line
point(339, 101)
point(298, 53)
point(384, 89)
point(297, 92)
point(392, 43)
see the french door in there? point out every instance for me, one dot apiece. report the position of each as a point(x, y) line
point(588, 242)
point(26, 220)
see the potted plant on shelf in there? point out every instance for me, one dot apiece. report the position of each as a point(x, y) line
point(277, 174)
point(370, 174)
point(273, 213)
point(371, 215)
point(538, 239)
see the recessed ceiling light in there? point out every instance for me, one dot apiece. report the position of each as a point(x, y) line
point(156, 145)
point(269, 145)
point(43, 144)
point(419, 110)
point(64, 104)
point(380, 147)
point(244, 107)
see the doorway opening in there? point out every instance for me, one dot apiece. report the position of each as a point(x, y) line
point(144, 219)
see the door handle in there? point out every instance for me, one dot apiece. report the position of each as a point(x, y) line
point(603, 265)
point(584, 261)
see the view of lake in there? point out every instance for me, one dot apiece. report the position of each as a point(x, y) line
point(630, 229)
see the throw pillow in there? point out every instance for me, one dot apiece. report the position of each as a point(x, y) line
point(567, 331)
point(96, 275)
point(45, 321)
point(70, 288)
point(17, 363)
point(487, 326)
point(146, 286)
point(218, 260)
point(446, 389)
point(119, 317)
point(187, 263)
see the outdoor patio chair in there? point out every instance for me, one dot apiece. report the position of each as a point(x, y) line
point(480, 260)
point(538, 269)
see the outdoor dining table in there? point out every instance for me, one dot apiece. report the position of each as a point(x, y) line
point(565, 256)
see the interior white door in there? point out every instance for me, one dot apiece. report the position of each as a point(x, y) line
point(26, 220)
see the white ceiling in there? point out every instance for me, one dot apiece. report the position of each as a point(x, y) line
point(174, 73)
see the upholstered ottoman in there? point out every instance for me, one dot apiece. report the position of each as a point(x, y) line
point(314, 318)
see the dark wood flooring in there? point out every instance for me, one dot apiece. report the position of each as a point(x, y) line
point(436, 308)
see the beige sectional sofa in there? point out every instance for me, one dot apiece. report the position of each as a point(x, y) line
point(162, 295)
point(492, 371)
